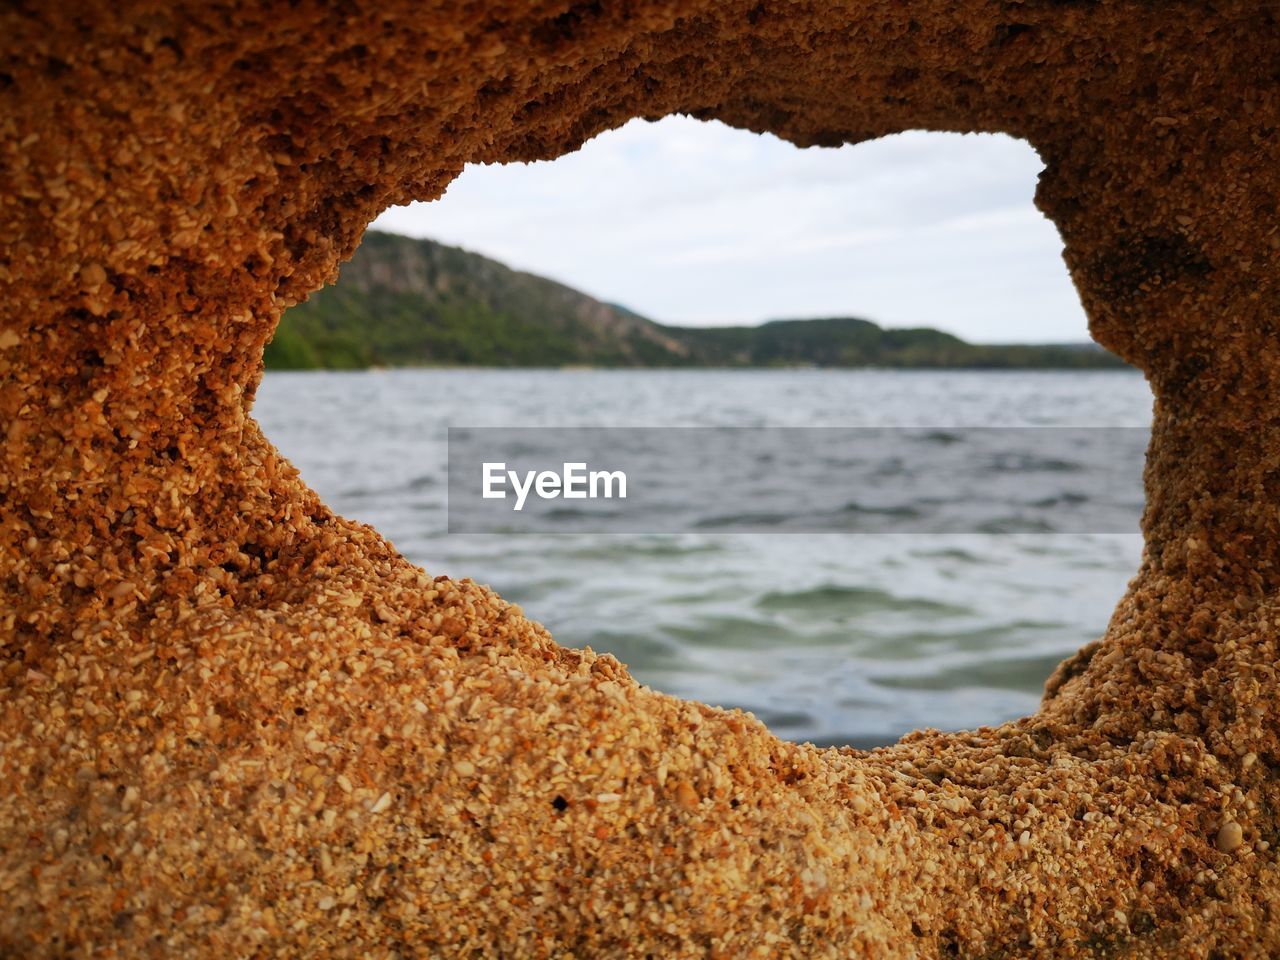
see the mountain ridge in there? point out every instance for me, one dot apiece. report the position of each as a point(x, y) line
point(404, 301)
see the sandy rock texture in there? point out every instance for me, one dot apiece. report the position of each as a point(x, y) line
point(234, 724)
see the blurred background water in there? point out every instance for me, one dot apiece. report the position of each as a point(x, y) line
point(842, 638)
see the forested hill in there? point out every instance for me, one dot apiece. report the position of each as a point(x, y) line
point(406, 302)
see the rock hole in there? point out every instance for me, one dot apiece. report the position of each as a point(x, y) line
point(843, 641)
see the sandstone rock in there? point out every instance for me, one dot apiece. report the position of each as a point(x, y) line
point(191, 767)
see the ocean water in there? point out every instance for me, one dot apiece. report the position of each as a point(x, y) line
point(837, 638)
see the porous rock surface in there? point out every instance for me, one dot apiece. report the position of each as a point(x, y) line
point(235, 724)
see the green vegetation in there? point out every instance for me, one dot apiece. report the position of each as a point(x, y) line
point(850, 342)
point(404, 302)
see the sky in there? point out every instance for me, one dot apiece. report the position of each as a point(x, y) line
point(699, 224)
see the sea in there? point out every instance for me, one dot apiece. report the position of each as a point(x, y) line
point(828, 633)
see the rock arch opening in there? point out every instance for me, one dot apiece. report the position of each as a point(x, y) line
point(848, 640)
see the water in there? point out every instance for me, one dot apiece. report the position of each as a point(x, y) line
point(924, 480)
point(847, 638)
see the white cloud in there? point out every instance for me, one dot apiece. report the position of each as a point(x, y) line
point(697, 223)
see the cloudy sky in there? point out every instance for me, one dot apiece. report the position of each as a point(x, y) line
point(696, 223)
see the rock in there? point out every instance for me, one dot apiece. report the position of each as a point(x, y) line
point(1230, 837)
point(246, 704)
point(686, 795)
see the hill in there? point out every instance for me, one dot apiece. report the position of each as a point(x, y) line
point(406, 302)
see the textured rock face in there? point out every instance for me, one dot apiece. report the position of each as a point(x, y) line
point(233, 723)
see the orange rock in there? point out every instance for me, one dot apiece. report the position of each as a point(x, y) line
point(171, 179)
point(686, 795)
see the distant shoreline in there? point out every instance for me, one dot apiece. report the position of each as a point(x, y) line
point(403, 302)
point(578, 368)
